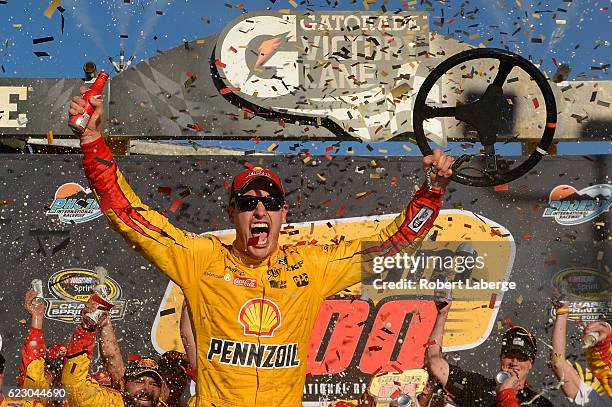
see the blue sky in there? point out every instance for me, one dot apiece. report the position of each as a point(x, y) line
point(93, 29)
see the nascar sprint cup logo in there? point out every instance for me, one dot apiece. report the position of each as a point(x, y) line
point(354, 73)
point(71, 289)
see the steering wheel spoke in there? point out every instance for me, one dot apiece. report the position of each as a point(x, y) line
point(432, 111)
point(505, 67)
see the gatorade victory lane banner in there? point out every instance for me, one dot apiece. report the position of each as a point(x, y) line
point(547, 229)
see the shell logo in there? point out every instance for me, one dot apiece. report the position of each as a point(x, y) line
point(259, 317)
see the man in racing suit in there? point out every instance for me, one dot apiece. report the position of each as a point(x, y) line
point(142, 378)
point(40, 367)
point(253, 303)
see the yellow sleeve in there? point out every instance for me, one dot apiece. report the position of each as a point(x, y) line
point(341, 265)
point(35, 374)
point(83, 391)
point(177, 253)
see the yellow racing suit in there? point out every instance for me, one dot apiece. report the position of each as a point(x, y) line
point(600, 363)
point(252, 323)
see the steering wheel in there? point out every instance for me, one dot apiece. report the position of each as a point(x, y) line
point(485, 115)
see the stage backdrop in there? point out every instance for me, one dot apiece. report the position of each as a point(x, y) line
point(549, 227)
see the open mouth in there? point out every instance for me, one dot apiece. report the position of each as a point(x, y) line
point(259, 233)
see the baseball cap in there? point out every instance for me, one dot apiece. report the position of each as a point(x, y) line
point(242, 181)
point(519, 339)
point(139, 366)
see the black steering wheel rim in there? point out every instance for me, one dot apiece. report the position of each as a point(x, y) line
point(505, 57)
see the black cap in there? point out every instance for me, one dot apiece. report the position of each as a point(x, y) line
point(141, 367)
point(519, 339)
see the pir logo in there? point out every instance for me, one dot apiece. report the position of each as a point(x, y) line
point(569, 206)
point(355, 74)
point(259, 317)
point(71, 289)
point(74, 204)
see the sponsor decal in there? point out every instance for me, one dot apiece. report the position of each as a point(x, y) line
point(213, 275)
point(72, 288)
point(301, 280)
point(247, 354)
point(245, 282)
point(227, 277)
point(420, 219)
point(7, 107)
point(587, 292)
point(259, 317)
point(518, 341)
point(280, 59)
point(568, 206)
point(74, 204)
point(295, 266)
point(280, 284)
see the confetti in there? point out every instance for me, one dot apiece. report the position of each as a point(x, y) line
point(50, 137)
point(168, 311)
point(42, 40)
point(51, 8)
point(41, 54)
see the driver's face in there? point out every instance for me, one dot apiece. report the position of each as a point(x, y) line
point(144, 390)
point(517, 362)
point(257, 231)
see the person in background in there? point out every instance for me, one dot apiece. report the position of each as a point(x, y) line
point(40, 367)
point(174, 368)
point(142, 379)
point(470, 389)
point(577, 391)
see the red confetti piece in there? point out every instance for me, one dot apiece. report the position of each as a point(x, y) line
point(341, 210)
point(249, 165)
point(189, 74)
point(586, 157)
point(329, 148)
point(536, 104)
point(492, 300)
point(219, 63)
point(234, 50)
point(551, 125)
point(226, 184)
point(175, 205)
point(164, 190)
point(508, 322)
point(329, 157)
point(394, 180)
point(527, 236)
point(535, 208)
point(396, 394)
point(503, 187)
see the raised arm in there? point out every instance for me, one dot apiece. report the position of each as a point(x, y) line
point(436, 364)
point(111, 354)
point(342, 264)
point(31, 368)
point(172, 250)
point(82, 390)
point(187, 336)
point(562, 369)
